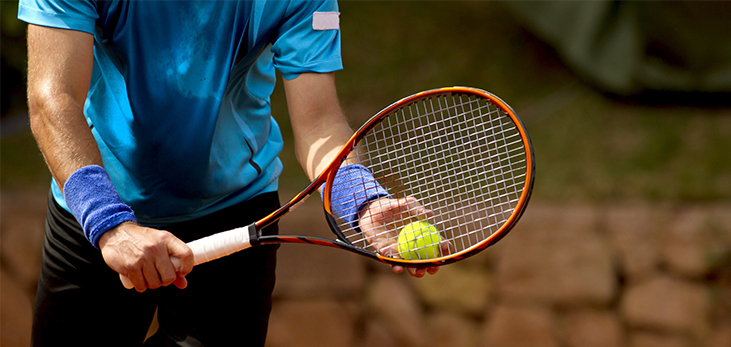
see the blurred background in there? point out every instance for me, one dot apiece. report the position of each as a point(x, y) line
point(626, 242)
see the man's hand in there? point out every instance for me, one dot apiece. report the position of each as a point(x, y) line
point(143, 255)
point(320, 131)
point(380, 213)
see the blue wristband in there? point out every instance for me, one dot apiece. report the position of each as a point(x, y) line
point(353, 187)
point(92, 199)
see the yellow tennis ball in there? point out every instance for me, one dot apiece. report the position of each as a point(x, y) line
point(419, 240)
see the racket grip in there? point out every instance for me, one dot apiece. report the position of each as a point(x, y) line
point(212, 247)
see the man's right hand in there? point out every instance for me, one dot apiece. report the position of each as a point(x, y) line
point(143, 255)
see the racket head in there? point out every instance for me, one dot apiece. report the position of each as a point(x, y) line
point(462, 153)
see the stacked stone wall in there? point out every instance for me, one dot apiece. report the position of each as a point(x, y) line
point(576, 275)
point(569, 275)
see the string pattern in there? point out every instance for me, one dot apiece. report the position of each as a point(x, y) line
point(460, 157)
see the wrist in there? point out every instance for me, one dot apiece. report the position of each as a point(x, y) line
point(109, 235)
point(354, 187)
point(95, 203)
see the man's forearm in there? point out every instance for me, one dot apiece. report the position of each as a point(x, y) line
point(319, 126)
point(59, 71)
point(315, 153)
point(63, 135)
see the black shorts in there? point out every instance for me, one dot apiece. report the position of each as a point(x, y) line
point(81, 302)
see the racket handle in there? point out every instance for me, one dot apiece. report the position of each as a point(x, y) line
point(212, 247)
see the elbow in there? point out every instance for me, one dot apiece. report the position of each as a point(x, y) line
point(36, 109)
point(46, 103)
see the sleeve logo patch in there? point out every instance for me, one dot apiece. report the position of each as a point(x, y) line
point(326, 21)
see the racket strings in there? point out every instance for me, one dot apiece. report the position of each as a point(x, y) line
point(515, 138)
point(424, 134)
point(472, 173)
point(460, 156)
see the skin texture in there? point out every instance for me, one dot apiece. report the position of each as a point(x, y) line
point(320, 131)
point(382, 212)
point(59, 71)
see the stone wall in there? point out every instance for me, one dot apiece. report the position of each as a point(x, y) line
point(634, 275)
point(629, 274)
point(22, 216)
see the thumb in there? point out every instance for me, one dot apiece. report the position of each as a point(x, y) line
point(177, 249)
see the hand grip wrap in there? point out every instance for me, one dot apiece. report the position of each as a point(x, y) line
point(212, 247)
point(221, 244)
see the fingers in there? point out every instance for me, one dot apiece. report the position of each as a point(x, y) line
point(375, 221)
point(382, 219)
point(415, 272)
point(134, 280)
point(406, 209)
point(183, 261)
point(388, 247)
point(166, 271)
point(413, 208)
point(158, 271)
point(153, 277)
point(445, 247)
point(387, 210)
point(143, 255)
point(179, 250)
point(157, 267)
point(171, 265)
point(412, 271)
point(181, 282)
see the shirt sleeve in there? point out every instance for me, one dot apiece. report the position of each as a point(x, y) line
point(300, 47)
point(74, 15)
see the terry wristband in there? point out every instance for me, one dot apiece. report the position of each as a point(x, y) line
point(93, 200)
point(353, 187)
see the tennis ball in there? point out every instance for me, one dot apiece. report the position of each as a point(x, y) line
point(419, 240)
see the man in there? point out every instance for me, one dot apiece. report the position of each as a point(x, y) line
point(154, 120)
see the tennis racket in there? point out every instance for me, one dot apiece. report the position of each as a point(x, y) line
point(460, 154)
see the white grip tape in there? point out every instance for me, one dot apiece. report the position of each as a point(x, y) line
point(210, 248)
point(220, 245)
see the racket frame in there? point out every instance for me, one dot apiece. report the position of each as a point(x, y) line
point(255, 237)
point(328, 175)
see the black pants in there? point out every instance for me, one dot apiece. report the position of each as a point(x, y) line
point(81, 302)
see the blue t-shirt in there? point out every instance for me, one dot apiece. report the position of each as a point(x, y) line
point(179, 96)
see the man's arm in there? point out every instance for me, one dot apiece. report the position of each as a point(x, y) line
point(59, 72)
point(320, 128)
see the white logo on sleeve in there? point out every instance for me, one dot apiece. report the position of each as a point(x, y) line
point(326, 21)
